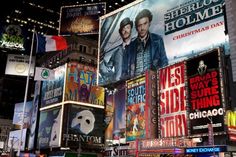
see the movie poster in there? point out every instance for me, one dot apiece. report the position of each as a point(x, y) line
point(172, 96)
point(52, 91)
point(205, 92)
point(79, 84)
point(119, 113)
point(191, 26)
point(49, 128)
point(84, 125)
point(135, 109)
point(81, 19)
point(34, 116)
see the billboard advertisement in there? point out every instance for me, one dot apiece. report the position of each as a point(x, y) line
point(80, 80)
point(135, 109)
point(49, 128)
point(84, 125)
point(109, 118)
point(141, 107)
point(119, 124)
point(14, 138)
point(145, 34)
point(18, 113)
point(205, 92)
point(230, 122)
point(52, 91)
point(19, 65)
point(34, 115)
point(12, 37)
point(81, 19)
point(172, 96)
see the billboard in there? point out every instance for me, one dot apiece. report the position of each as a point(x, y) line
point(81, 19)
point(18, 112)
point(172, 96)
point(84, 125)
point(109, 118)
point(34, 116)
point(14, 138)
point(230, 121)
point(119, 123)
point(141, 107)
point(49, 128)
point(52, 91)
point(12, 37)
point(81, 84)
point(152, 30)
point(205, 92)
point(19, 65)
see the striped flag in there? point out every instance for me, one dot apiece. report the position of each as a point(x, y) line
point(50, 43)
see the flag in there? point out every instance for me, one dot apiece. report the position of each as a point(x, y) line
point(44, 74)
point(49, 43)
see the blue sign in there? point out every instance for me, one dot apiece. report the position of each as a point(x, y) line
point(196, 150)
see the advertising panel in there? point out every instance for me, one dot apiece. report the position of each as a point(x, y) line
point(14, 138)
point(19, 65)
point(204, 92)
point(81, 19)
point(97, 95)
point(83, 125)
point(34, 115)
point(119, 113)
point(135, 109)
point(172, 96)
point(12, 37)
point(109, 118)
point(79, 84)
point(52, 91)
point(163, 26)
point(141, 107)
point(231, 124)
point(49, 128)
point(18, 112)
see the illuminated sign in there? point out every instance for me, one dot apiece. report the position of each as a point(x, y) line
point(196, 150)
point(172, 101)
point(205, 92)
point(12, 38)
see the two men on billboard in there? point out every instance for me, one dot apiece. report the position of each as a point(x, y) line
point(119, 59)
point(133, 57)
point(148, 50)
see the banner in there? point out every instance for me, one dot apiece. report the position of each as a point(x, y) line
point(18, 114)
point(52, 91)
point(14, 139)
point(135, 109)
point(81, 19)
point(205, 92)
point(49, 128)
point(34, 116)
point(171, 25)
point(172, 96)
point(19, 65)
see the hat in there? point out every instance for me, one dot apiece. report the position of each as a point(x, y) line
point(125, 22)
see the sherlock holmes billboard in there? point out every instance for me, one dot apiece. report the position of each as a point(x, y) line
point(164, 25)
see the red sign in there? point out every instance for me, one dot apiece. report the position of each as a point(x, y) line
point(172, 101)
